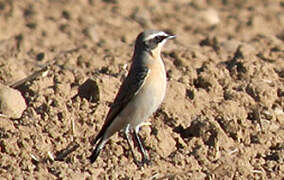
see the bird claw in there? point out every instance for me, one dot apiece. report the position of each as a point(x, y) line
point(146, 161)
point(143, 162)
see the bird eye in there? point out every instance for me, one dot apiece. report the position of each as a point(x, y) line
point(158, 39)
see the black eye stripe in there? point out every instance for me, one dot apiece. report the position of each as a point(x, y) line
point(157, 39)
point(153, 43)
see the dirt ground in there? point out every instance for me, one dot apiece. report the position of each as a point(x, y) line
point(222, 117)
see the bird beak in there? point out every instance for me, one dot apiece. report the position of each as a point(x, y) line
point(171, 37)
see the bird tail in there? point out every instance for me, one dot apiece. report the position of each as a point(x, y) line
point(97, 150)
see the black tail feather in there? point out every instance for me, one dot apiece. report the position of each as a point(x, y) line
point(97, 151)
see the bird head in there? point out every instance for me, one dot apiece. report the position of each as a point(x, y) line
point(152, 41)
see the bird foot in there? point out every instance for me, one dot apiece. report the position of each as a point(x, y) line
point(143, 162)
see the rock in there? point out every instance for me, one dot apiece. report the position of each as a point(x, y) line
point(91, 33)
point(281, 19)
point(143, 17)
point(166, 143)
point(12, 103)
point(210, 16)
point(231, 45)
point(280, 35)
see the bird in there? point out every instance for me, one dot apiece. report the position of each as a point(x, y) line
point(139, 96)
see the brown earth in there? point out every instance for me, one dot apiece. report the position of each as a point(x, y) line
point(223, 114)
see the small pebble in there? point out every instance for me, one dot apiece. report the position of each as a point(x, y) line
point(12, 103)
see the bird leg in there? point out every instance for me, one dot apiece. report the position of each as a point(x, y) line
point(145, 156)
point(126, 132)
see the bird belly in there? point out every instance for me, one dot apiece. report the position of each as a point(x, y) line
point(144, 103)
point(147, 101)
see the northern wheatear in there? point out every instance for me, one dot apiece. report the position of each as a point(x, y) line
point(140, 94)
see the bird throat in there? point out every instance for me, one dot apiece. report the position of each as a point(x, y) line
point(155, 53)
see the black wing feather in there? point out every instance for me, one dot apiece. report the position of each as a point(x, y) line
point(127, 91)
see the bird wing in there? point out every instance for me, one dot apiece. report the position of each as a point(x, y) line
point(130, 88)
